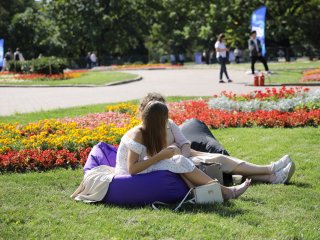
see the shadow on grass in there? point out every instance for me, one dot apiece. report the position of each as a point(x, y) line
point(227, 209)
point(300, 184)
point(295, 183)
point(256, 201)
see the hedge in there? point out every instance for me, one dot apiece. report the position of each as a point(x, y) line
point(44, 65)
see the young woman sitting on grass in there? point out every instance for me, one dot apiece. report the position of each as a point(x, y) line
point(144, 149)
point(276, 173)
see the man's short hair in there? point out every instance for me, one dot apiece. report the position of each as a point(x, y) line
point(253, 32)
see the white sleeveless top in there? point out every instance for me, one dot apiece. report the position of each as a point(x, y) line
point(176, 164)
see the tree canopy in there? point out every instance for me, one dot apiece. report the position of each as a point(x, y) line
point(70, 28)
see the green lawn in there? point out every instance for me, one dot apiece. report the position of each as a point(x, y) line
point(90, 78)
point(37, 205)
point(290, 72)
point(278, 65)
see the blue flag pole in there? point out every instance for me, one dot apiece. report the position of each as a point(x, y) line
point(1, 52)
point(258, 23)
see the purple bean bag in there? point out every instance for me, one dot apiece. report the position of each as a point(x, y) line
point(137, 189)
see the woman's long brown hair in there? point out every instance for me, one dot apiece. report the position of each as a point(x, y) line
point(154, 134)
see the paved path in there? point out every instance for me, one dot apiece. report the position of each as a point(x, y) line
point(180, 82)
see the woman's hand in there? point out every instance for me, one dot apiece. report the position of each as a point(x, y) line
point(166, 153)
point(177, 150)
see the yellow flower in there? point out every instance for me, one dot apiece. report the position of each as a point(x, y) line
point(129, 108)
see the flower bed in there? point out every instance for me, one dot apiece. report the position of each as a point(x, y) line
point(66, 142)
point(216, 118)
point(294, 107)
point(283, 100)
point(4, 73)
point(63, 142)
point(268, 94)
point(41, 160)
point(42, 77)
point(311, 75)
point(144, 66)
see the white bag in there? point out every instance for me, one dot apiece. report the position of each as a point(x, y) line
point(209, 193)
point(206, 194)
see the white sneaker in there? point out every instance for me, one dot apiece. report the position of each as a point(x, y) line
point(284, 175)
point(280, 164)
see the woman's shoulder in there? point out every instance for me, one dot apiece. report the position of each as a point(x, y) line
point(171, 123)
point(135, 134)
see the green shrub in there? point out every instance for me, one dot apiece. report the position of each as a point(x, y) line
point(44, 65)
point(19, 66)
point(48, 65)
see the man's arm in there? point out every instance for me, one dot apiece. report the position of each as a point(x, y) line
point(182, 142)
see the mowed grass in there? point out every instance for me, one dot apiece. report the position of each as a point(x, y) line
point(38, 206)
point(89, 78)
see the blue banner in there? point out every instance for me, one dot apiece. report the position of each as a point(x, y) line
point(1, 52)
point(258, 23)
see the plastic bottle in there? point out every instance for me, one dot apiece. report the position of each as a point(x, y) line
point(256, 80)
point(261, 81)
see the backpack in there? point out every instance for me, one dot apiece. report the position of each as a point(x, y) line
point(7, 56)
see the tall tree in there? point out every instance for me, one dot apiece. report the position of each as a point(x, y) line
point(119, 27)
point(108, 27)
point(7, 11)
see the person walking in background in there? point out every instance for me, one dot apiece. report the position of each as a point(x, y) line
point(221, 54)
point(16, 55)
point(255, 51)
point(237, 55)
point(172, 59)
point(88, 60)
point(7, 58)
point(181, 58)
point(93, 58)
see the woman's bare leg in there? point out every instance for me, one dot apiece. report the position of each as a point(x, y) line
point(236, 191)
point(198, 178)
point(190, 185)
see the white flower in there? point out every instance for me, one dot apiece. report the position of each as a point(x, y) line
point(311, 97)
